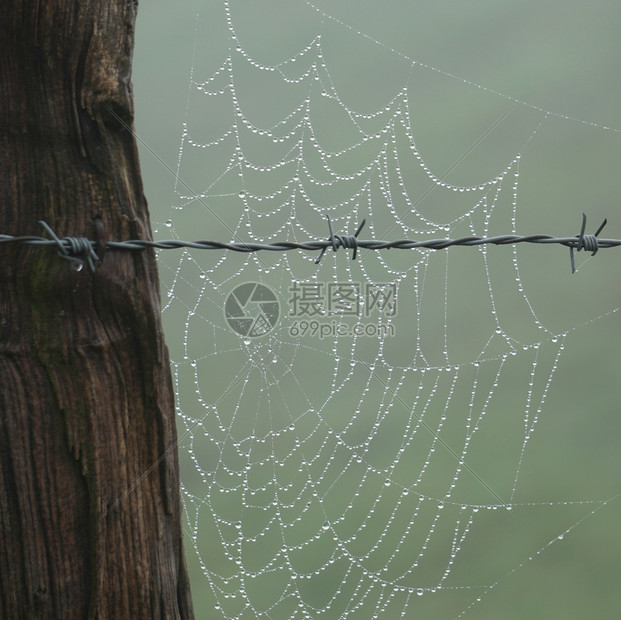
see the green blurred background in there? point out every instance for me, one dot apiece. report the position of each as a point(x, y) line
point(562, 57)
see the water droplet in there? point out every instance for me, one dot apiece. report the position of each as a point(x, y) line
point(247, 341)
point(168, 223)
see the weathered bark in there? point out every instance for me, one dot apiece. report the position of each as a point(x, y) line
point(90, 517)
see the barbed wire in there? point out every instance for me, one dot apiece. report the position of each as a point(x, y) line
point(80, 250)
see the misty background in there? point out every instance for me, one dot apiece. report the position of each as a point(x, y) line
point(561, 57)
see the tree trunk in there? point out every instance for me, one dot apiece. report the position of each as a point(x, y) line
point(90, 512)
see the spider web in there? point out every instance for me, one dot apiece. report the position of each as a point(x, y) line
point(364, 443)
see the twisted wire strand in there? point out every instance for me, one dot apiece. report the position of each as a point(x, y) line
point(81, 250)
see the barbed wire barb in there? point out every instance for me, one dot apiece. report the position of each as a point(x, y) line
point(337, 241)
point(78, 250)
point(590, 243)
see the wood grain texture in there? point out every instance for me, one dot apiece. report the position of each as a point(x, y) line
point(90, 513)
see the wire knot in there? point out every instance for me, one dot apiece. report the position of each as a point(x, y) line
point(341, 241)
point(589, 243)
point(78, 250)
